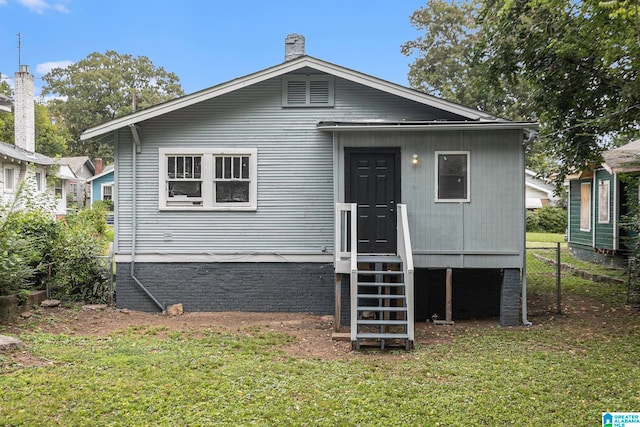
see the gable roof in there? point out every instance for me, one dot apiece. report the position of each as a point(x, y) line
point(279, 70)
point(10, 150)
point(106, 171)
point(623, 159)
point(76, 163)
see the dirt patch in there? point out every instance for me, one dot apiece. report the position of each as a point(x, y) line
point(312, 334)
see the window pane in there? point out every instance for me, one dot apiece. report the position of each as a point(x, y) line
point(197, 167)
point(218, 167)
point(184, 188)
point(452, 176)
point(180, 167)
point(232, 191)
point(188, 167)
point(39, 181)
point(236, 168)
point(227, 168)
point(245, 167)
point(8, 179)
point(585, 206)
point(171, 167)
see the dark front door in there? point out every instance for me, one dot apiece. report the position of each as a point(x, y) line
point(373, 181)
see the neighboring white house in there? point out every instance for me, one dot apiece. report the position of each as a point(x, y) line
point(19, 161)
point(539, 193)
point(78, 189)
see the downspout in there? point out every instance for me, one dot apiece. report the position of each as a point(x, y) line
point(137, 148)
point(525, 321)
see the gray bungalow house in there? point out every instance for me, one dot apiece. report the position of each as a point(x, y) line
point(311, 187)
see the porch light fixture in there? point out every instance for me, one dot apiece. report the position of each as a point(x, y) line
point(415, 159)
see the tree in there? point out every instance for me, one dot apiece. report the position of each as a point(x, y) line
point(446, 65)
point(102, 87)
point(51, 140)
point(580, 60)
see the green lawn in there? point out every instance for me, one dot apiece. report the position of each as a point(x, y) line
point(564, 370)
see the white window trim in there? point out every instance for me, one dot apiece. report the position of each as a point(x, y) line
point(12, 188)
point(102, 187)
point(468, 198)
point(604, 217)
point(588, 208)
point(308, 80)
point(208, 187)
point(39, 186)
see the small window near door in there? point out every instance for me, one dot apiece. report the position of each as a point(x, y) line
point(603, 201)
point(452, 176)
point(585, 206)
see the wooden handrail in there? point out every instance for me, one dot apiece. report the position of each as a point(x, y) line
point(405, 253)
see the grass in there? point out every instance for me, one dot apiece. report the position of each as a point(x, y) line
point(549, 375)
point(565, 370)
point(545, 237)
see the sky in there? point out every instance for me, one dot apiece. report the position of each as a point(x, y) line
point(207, 42)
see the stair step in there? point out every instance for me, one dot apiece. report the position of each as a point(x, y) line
point(373, 336)
point(380, 284)
point(387, 259)
point(382, 322)
point(367, 308)
point(381, 296)
point(385, 272)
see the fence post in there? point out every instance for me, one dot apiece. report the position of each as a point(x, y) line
point(558, 273)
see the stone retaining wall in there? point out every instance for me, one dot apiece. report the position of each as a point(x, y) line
point(10, 309)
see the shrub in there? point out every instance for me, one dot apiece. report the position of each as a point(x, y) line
point(40, 230)
point(533, 221)
point(80, 273)
point(552, 219)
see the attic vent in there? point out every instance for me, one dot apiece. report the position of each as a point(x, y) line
point(307, 91)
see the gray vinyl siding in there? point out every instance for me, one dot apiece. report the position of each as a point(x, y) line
point(488, 231)
point(295, 204)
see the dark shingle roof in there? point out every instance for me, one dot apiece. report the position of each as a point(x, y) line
point(10, 150)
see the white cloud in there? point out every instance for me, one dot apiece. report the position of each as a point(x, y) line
point(41, 6)
point(45, 67)
point(3, 2)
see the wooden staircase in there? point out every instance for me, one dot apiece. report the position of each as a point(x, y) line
point(381, 302)
point(381, 286)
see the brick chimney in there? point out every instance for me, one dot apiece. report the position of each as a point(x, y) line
point(293, 46)
point(24, 119)
point(98, 164)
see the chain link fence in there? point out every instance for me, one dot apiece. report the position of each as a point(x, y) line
point(633, 282)
point(544, 277)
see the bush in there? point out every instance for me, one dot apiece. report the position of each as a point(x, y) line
point(40, 230)
point(552, 219)
point(548, 219)
point(533, 221)
point(80, 274)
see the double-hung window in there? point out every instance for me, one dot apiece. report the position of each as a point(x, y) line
point(107, 191)
point(208, 179)
point(452, 176)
